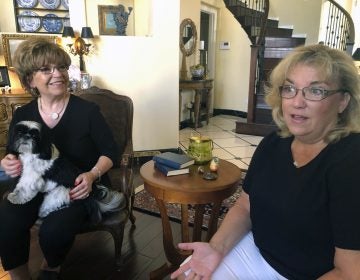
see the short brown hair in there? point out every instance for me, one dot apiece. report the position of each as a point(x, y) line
point(34, 53)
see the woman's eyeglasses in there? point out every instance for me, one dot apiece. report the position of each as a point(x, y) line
point(47, 70)
point(309, 93)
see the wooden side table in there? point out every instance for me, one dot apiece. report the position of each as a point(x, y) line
point(188, 189)
point(199, 86)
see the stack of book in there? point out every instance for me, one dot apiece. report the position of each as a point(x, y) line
point(171, 164)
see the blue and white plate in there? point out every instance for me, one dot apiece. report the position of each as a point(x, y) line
point(52, 23)
point(65, 3)
point(26, 3)
point(50, 4)
point(29, 24)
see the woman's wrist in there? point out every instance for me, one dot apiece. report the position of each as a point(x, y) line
point(218, 247)
point(96, 172)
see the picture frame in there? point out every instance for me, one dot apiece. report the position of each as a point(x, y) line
point(11, 41)
point(4, 77)
point(107, 24)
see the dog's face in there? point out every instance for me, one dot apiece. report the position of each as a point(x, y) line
point(29, 137)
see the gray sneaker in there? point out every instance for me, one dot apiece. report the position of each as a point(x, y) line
point(109, 200)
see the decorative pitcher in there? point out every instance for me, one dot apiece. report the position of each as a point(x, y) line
point(85, 80)
point(200, 149)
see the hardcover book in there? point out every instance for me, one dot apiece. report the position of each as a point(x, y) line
point(176, 161)
point(168, 171)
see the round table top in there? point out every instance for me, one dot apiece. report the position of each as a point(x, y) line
point(191, 188)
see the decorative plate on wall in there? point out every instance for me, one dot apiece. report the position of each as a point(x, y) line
point(65, 3)
point(27, 3)
point(52, 23)
point(50, 4)
point(29, 24)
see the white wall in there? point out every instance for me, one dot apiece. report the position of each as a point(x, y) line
point(303, 15)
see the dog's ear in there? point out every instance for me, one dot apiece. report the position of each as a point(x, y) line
point(44, 145)
point(13, 136)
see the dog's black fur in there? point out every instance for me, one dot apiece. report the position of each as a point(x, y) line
point(44, 170)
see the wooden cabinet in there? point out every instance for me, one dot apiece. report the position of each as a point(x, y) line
point(8, 104)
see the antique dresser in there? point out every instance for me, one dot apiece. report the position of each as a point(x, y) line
point(8, 104)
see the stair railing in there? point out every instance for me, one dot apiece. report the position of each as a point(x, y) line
point(252, 15)
point(340, 31)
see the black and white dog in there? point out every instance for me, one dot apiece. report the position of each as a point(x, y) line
point(43, 169)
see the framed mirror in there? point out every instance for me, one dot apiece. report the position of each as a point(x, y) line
point(11, 41)
point(188, 37)
point(187, 40)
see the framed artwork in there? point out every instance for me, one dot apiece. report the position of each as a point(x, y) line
point(4, 77)
point(11, 41)
point(113, 20)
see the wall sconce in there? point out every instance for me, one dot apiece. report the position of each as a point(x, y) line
point(79, 47)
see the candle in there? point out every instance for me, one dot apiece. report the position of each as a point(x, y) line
point(202, 45)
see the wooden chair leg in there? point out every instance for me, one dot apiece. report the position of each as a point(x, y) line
point(132, 217)
point(117, 233)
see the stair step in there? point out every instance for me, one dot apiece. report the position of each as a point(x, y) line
point(278, 32)
point(280, 42)
point(270, 63)
point(263, 116)
point(272, 23)
point(276, 52)
point(254, 128)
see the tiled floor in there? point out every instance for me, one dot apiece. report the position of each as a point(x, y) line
point(228, 145)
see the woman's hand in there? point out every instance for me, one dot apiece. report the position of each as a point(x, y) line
point(204, 261)
point(83, 186)
point(11, 165)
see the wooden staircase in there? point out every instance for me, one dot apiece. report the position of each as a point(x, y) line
point(270, 43)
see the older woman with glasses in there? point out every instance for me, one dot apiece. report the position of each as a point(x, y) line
point(80, 133)
point(298, 215)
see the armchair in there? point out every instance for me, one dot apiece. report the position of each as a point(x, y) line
point(118, 112)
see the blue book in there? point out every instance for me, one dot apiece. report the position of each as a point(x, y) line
point(168, 171)
point(176, 161)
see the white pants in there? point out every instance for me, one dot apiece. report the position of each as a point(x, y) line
point(244, 262)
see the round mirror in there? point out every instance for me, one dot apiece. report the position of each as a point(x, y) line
point(188, 37)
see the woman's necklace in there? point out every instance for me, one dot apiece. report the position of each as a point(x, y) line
point(54, 115)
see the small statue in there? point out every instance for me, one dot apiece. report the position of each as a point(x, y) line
point(121, 19)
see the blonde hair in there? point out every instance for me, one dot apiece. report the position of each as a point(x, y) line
point(335, 66)
point(35, 53)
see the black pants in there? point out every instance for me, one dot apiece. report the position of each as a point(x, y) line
point(56, 234)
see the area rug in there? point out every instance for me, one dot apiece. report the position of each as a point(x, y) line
point(145, 203)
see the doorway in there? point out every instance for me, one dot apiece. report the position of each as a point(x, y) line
point(208, 18)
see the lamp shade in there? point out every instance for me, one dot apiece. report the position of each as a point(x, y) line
point(68, 32)
point(86, 32)
point(356, 55)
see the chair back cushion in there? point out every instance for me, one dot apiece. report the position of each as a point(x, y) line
point(118, 113)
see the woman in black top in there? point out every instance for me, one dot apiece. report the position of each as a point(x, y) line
point(80, 133)
point(298, 216)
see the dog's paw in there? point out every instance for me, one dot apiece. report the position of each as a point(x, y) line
point(46, 210)
point(14, 198)
point(17, 197)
